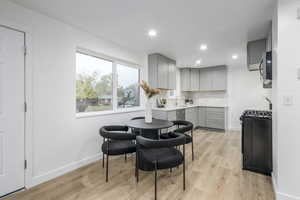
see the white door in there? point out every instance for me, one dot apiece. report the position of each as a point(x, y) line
point(12, 117)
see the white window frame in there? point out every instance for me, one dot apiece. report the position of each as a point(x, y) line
point(114, 61)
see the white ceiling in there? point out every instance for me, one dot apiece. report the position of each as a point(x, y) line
point(182, 25)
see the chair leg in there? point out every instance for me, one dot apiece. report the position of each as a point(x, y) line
point(103, 157)
point(183, 167)
point(136, 167)
point(107, 168)
point(125, 157)
point(192, 146)
point(155, 184)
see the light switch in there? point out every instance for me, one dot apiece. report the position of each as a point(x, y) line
point(288, 100)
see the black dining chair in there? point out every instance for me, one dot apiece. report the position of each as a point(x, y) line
point(184, 127)
point(153, 134)
point(116, 141)
point(153, 155)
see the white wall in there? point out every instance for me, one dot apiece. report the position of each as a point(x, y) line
point(245, 91)
point(61, 142)
point(286, 120)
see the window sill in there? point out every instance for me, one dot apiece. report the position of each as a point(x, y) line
point(101, 113)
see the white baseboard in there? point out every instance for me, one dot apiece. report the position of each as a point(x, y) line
point(280, 195)
point(62, 170)
point(274, 185)
point(283, 196)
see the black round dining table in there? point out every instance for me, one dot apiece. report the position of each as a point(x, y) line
point(156, 124)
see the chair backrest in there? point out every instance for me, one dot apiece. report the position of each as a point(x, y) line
point(116, 133)
point(143, 142)
point(138, 118)
point(183, 126)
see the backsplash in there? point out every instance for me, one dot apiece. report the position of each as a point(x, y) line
point(209, 98)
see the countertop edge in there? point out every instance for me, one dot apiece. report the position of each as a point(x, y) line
point(190, 106)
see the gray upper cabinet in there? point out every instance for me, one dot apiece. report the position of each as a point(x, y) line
point(213, 78)
point(215, 118)
point(172, 75)
point(189, 79)
point(162, 72)
point(185, 79)
point(163, 78)
point(269, 39)
point(255, 50)
point(205, 79)
point(153, 70)
point(219, 79)
point(195, 80)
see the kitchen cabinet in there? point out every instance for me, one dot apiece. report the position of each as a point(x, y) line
point(162, 72)
point(190, 78)
point(180, 114)
point(165, 115)
point(215, 118)
point(205, 79)
point(219, 78)
point(191, 115)
point(172, 75)
point(185, 79)
point(255, 50)
point(194, 80)
point(202, 116)
point(213, 79)
point(163, 68)
point(269, 39)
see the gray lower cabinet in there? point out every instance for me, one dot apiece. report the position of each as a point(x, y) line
point(206, 117)
point(191, 115)
point(215, 118)
point(202, 116)
point(180, 114)
point(165, 115)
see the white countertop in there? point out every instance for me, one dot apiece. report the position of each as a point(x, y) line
point(190, 106)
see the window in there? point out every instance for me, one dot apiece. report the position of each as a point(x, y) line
point(93, 83)
point(128, 86)
point(105, 84)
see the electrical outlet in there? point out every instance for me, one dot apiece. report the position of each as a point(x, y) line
point(287, 100)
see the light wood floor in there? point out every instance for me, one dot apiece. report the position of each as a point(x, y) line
point(215, 174)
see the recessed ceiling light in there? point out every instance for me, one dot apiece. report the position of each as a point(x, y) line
point(152, 33)
point(235, 56)
point(198, 62)
point(203, 47)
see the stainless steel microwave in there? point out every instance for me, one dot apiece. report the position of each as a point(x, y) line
point(265, 69)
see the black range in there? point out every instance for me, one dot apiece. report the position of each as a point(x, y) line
point(257, 141)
